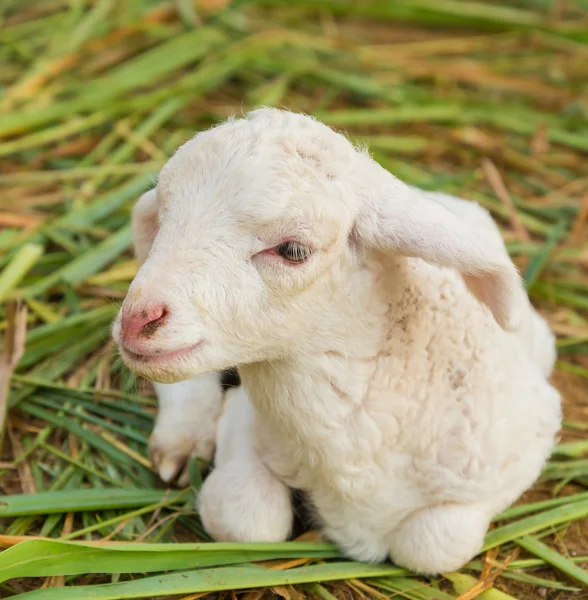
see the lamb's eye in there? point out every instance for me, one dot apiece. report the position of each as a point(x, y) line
point(293, 252)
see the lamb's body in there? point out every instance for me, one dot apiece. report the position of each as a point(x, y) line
point(432, 407)
point(404, 410)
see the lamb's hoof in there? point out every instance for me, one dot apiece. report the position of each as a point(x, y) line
point(171, 454)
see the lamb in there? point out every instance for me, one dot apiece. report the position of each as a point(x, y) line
point(393, 366)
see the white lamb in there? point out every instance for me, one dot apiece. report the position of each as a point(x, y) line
point(394, 368)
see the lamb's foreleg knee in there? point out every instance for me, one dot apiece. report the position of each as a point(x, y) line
point(186, 423)
point(241, 500)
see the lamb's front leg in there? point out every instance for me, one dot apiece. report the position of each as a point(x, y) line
point(186, 423)
point(242, 500)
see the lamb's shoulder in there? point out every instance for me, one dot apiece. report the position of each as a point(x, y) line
point(452, 389)
point(441, 344)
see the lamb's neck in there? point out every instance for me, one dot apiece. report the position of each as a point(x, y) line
point(315, 392)
point(322, 388)
point(306, 400)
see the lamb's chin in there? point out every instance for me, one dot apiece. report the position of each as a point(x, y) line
point(160, 373)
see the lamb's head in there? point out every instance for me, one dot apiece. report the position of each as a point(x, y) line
point(251, 236)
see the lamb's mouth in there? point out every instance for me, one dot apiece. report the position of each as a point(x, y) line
point(155, 358)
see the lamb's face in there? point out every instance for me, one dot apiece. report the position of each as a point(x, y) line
point(250, 252)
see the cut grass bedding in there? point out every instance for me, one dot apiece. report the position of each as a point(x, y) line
point(487, 100)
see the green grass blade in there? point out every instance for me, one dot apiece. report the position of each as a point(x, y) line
point(85, 265)
point(43, 558)
point(47, 503)
point(553, 558)
point(98, 316)
point(524, 509)
point(539, 260)
point(543, 520)
point(105, 204)
point(18, 267)
point(213, 580)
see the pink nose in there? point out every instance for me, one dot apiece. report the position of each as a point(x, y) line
point(144, 322)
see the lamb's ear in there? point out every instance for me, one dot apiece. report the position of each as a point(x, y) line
point(144, 224)
point(404, 220)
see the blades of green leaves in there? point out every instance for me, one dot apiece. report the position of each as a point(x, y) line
point(42, 558)
point(211, 580)
point(534, 523)
point(66, 501)
point(554, 558)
